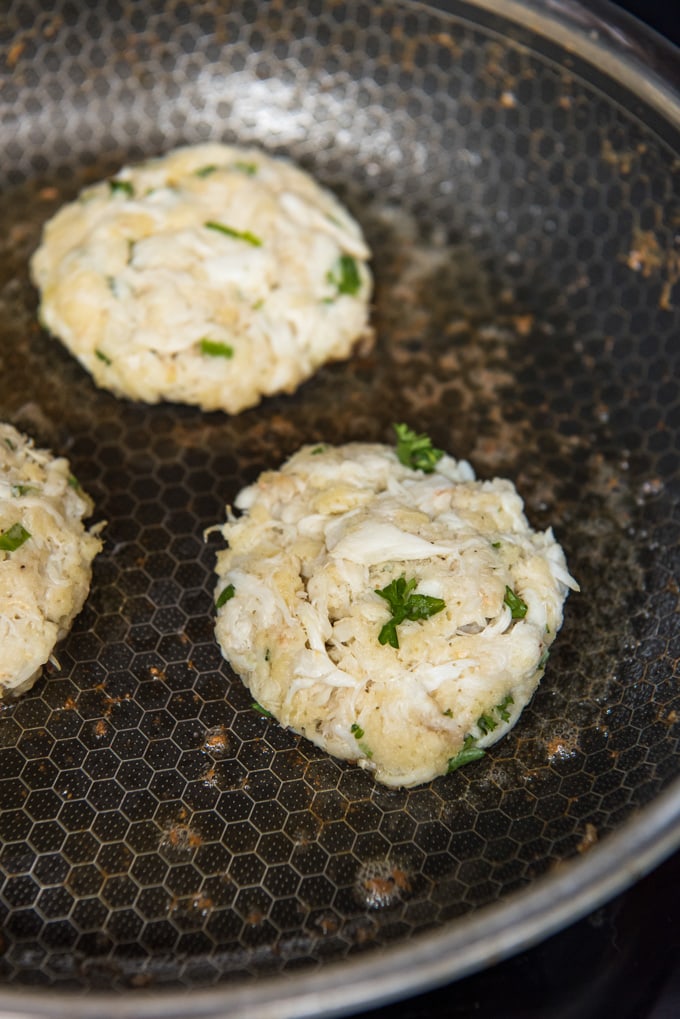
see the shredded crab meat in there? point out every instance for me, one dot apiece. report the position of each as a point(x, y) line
point(44, 580)
point(331, 536)
point(208, 244)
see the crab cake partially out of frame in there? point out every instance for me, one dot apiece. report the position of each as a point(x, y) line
point(395, 616)
point(45, 557)
point(214, 275)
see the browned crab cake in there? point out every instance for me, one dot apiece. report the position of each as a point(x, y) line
point(45, 557)
point(213, 275)
point(394, 617)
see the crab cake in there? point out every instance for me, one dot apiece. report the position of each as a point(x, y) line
point(396, 616)
point(213, 275)
point(45, 557)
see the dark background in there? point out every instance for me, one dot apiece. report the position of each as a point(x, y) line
point(662, 15)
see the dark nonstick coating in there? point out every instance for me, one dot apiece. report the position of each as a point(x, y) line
point(155, 830)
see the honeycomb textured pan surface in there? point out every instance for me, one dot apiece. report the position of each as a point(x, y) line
point(394, 617)
point(213, 275)
point(158, 834)
point(45, 557)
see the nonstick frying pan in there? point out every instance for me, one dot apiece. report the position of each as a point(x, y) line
point(165, 850)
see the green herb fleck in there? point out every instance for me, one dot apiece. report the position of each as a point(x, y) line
point(239, 235)
point(543, 661)
point(13, 538)
point(415, 450)
point(487, 723)
point(405, 605)
point(205, 171)
point(502, 708)
point(469, 753)
point(260, 710)
point(318, 450)
point(250, 169)
point(517, 606)
point(225, 595)
point(103, 357)
point(366, 751)
point(448, 713)
point(495, 544)
point(122, 187)
point(356, 731)
point(10, 445)
point(344, 276)
point(19, 490)
point(73, 482)
point(213, 348)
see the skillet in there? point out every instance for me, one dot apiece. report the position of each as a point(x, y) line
point(166, 850)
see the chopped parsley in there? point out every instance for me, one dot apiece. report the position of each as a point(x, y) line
point(487, 722)
point(517, 606)
point(239, 235)
point(469, 753)
point(13, 538)
point(260, 710)
point(495, 544)
point(356, 731)
point(344, 276)
point(102, 356)
point(543, 661)
point(415, 450)
point(205, 171)
point(502, 708)
point(225, 595)
point(10, 445)
point(318, 450)
point(405, 605)
point(250, 169)
point(19, 490)
point(214, 348)
point(121, 187)
point(73, 482)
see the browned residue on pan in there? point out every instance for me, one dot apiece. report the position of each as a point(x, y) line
point(381, 884)
point(180, 839)
point(623, 160)
point(191, 910)
point(562, 744)
point(589, 839)
point(647, 257)
point(216, 742)
point(14, 53)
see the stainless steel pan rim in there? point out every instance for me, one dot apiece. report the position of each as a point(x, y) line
point(608, 38)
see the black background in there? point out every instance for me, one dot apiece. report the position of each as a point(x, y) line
point(662, 15)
